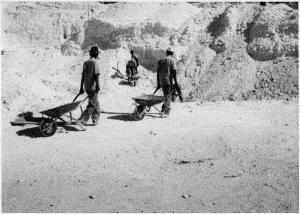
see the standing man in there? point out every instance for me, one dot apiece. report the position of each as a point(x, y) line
point(166, 70)
point(135, 59)
point(90, 82)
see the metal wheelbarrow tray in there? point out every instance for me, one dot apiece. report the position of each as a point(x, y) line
point(144, 103)
point(48, 126)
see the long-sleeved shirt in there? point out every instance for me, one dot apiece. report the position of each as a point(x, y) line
point(165, 69)
point(89, 71)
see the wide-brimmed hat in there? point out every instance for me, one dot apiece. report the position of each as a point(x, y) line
point(94, 50)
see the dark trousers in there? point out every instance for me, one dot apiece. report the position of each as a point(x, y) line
point(131, 71)
point(167, 93)
point(92, 109)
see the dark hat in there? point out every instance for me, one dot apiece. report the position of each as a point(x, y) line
point(94, 50)
point(170, 50)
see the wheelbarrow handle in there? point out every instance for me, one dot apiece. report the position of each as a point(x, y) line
point(168, 94)
point(76, 97)
point(90, 95)
point(156, 90)
point(81, 102)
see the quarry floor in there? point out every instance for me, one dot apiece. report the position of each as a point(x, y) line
point(206, 157)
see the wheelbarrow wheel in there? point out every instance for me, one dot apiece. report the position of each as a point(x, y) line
point(48, 127)
point(139, 112)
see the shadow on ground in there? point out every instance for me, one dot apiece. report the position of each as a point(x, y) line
point(116, 75)
point(124, 117)
point(124, 82)
point(34, 132)
point(128, 116)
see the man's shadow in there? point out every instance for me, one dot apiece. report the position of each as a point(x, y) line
point(34, 132)
point(117, 75)
point(128, 116)
point(124, 82)
point(123, 117)
point(119, 116)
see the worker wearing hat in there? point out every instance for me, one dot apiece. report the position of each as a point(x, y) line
point(90, 82)
point(134, 63)
point(166, 69)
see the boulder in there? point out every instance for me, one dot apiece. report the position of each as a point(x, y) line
point(274, 33)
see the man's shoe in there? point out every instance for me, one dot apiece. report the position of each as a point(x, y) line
point(82, 121)
point(163, 115)
point(95, 123)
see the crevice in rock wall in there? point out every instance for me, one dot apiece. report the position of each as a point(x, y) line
point(149, 56)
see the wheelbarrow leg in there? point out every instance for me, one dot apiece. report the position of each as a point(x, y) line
point(161, 112)
point(77, 123)
point(80, 124)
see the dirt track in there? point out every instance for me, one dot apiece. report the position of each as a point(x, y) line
point(207, 157)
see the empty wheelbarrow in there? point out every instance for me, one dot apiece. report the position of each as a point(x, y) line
point(47, 125)
point(144, 104)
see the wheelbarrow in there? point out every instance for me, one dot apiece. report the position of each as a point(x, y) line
point(131, 77)
point(47, 125)
point(133, 80)
point(144, 104)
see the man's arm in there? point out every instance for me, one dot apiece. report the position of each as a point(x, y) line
point(173, 72)
point(157, 77)
point(174, 76)
point(96, 76)
point(136, 59)
point(97, 82)
point(81, 91)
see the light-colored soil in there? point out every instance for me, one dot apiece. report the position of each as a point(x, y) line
point(240, 156)
point(207, 157)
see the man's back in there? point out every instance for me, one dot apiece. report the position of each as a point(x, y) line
point(90, 69)
point(164, 68)
point(135, 58)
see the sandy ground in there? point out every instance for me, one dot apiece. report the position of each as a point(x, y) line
point(207, 157)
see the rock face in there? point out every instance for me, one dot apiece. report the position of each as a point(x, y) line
point(274, 33)
point(221, 48)
point(223, 29)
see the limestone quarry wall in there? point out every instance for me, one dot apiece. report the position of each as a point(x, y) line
point(223, 50)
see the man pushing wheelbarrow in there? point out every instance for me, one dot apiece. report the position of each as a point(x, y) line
point(90, 82)
point(131, 69)
point(166, 70)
